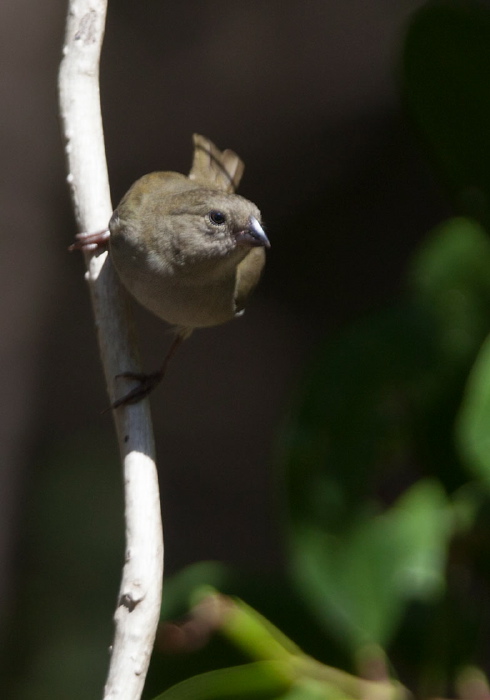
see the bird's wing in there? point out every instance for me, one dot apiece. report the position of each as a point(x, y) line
point(248, 274)
point(222, 170)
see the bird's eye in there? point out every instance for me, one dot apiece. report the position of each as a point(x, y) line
point(217, 217)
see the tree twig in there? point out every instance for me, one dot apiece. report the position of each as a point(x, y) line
point(139, 600)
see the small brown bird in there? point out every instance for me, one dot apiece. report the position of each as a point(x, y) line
point(186, 247)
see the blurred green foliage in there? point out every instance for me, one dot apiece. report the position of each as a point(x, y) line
point(280, 669)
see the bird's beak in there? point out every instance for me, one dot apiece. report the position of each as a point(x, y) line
point(253, 235)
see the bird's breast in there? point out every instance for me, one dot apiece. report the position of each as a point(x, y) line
point(180, 300)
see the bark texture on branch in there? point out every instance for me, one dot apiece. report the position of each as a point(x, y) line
point(139, 601)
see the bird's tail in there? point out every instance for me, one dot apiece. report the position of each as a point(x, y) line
point(221, 169)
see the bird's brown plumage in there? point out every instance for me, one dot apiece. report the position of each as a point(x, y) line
point(187, 247)
point(173, 252)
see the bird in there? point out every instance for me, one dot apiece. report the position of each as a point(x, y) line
point(188, 248)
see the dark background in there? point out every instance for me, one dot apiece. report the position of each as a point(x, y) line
point(307, 94)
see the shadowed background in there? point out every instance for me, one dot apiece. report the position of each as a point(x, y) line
point(306, 94)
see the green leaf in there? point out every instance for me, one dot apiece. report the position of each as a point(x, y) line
point(361, 581)
point(450, 277)
point(473, 427)
point(311, 689)
point(263, 679)
point(255, 635)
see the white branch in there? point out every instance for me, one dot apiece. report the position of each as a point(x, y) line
point(139, 600)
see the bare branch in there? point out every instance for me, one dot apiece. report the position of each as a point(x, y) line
point(139, 601)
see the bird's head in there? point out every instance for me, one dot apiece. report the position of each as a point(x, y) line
point(209, 225)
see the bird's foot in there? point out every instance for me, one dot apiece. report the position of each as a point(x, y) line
point(90, 241)
point(147, 382)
